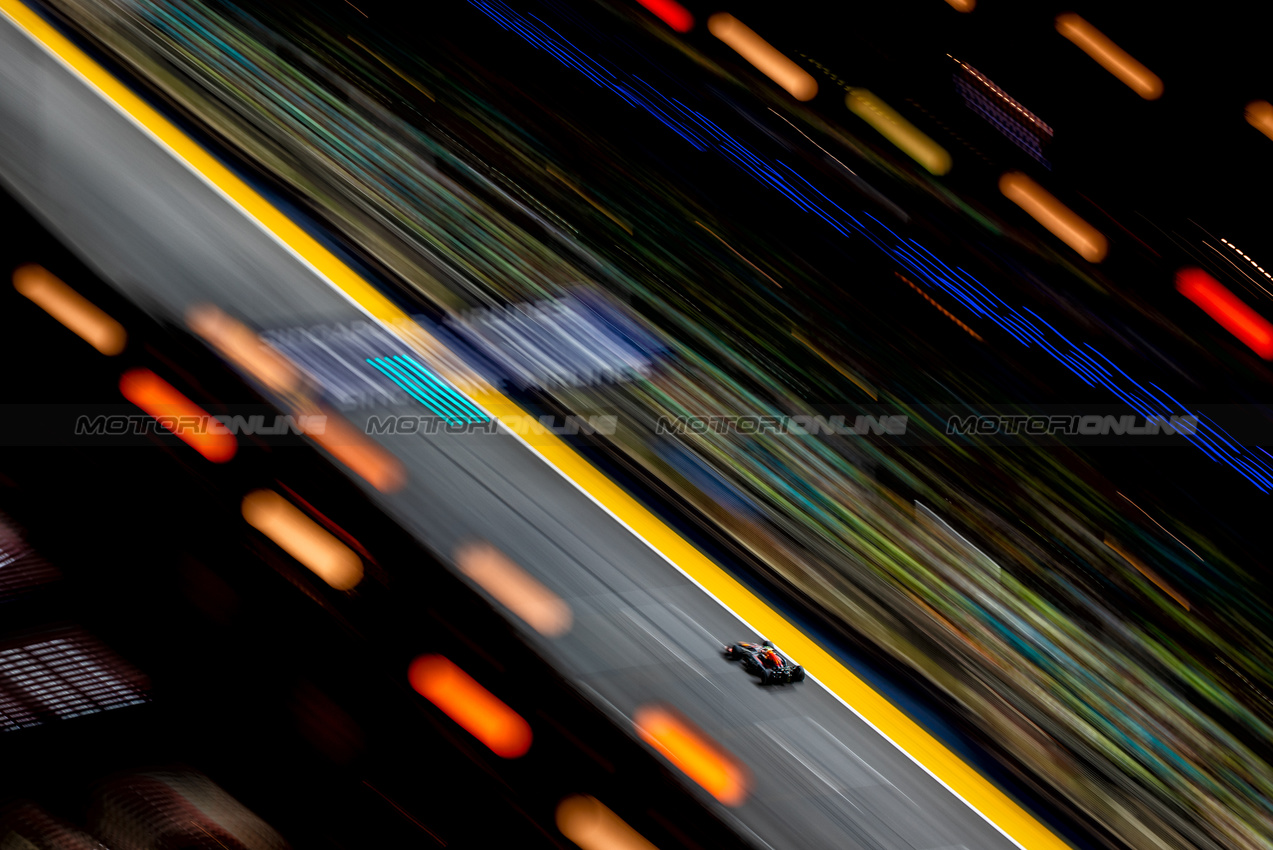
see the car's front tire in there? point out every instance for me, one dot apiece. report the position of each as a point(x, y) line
point(797, 675)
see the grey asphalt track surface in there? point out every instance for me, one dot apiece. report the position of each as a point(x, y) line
point(642, 632)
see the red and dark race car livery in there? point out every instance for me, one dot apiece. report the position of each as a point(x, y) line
point(763, 660)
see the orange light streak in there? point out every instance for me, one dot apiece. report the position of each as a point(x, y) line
point(694, 753)
point(240, 345)
point(516, 589)
point(944, 311)
point(1259, 114)
point(1063, 222)
point(770, 61)
point(190, 422)
point(359, 453)
point(304, 539)
point(88, 321)
point(590, 824)
point(1110, 56)
point(482, 714)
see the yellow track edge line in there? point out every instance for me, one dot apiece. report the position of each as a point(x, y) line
point(943, 765)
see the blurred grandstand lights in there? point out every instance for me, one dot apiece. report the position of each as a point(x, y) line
point(516, 589)
point(962, 5)
point(694, 753)
point(1259, 114)
point(482, 714)
point(1063, 222)
point(768, 59)
point(1226, 308)
point(1110, 56)
point(70, 308)
point(302, 538)
point(890, 124)
point(588, 823)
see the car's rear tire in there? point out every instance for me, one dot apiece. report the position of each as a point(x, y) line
point(766, 677)
point(797, 675)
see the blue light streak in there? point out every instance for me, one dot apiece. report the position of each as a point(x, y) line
point(702, 134)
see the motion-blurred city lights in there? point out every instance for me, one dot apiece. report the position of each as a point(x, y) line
point(835, 364)
point(1259, 114)
point(482, 714)
point(1144, 570)
point(23, 567)
point(173, 411)
point(738, 254)
point(63, 674)
point(303, 538)
point(241, 346)
point(1002, 111)
point(516, 589)
point(1231, 312)
point(1063, 222)
point(359, 453)
point(175, 807)
point(891, 125)
point(941, 309)
point(590, 824)
point(671, 13)
point(25, 824)
point(409, 80)
point(593, 202)
point(70, 308)
point(1110, 56)
point(1244, 255)
point(694, 753)
point(768, 59)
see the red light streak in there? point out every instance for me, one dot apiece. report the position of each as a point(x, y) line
point(1231, 312)
point(671, 13)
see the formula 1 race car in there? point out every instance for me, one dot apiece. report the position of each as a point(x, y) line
point(764, 661)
